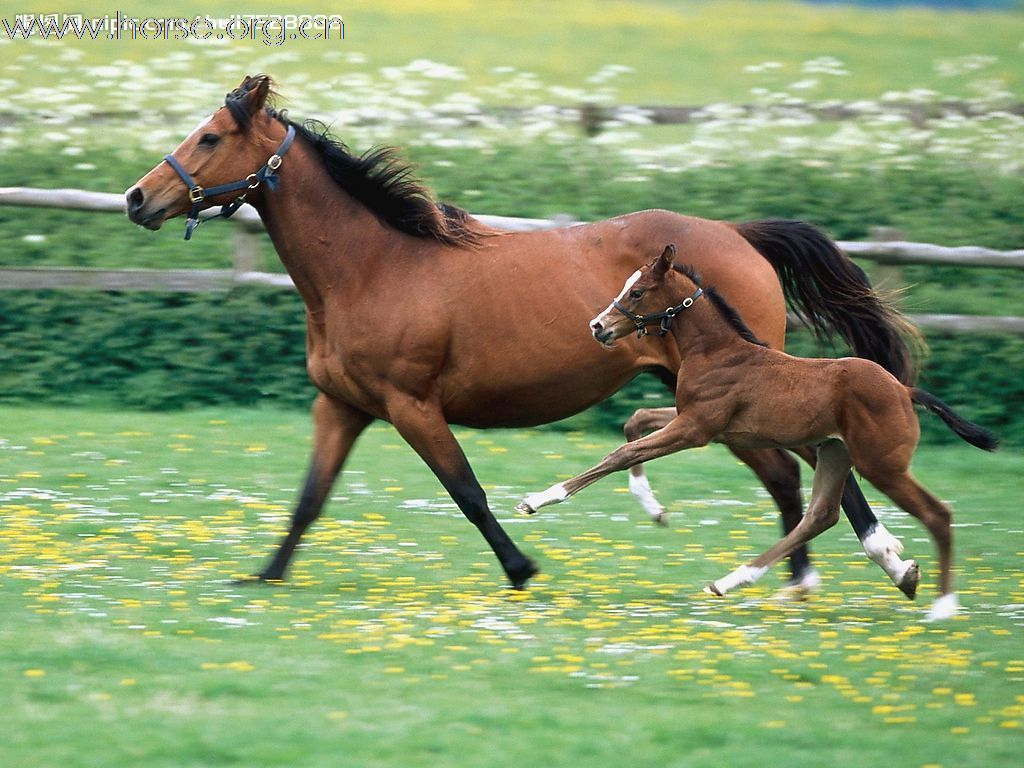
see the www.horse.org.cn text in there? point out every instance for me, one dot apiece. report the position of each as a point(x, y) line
point(270, 29)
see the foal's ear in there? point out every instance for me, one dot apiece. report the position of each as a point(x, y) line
point(664, 262)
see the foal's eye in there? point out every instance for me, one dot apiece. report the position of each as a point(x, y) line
point(636, 294)
point(208, 140)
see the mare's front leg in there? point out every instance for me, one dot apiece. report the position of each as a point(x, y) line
point(425, 428)
point(336, 425)
point(680, 433)
point(830, 474)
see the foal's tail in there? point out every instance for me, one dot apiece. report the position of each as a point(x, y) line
point(968, 430)
point(831, 294)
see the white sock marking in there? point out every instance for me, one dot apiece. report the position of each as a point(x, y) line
point(640, 487)
point(742, 576)
point(553, 495)
point(885, 549)
point(943, 608)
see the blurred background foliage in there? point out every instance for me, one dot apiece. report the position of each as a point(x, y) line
point(486, 99)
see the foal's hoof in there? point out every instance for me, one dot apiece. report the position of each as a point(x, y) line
point(712, 589)
point(525, 509)
point(945, 607)
point(908, 584)
point(661, 519)
point(523, 574)
point(799, 587)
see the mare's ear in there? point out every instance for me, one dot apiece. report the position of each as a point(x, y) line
point(253, 92)
point(664, 262)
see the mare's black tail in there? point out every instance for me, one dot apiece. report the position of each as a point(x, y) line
point(831, 294)
point(968, 430)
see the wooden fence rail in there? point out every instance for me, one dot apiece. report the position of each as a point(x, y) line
point(248, 223)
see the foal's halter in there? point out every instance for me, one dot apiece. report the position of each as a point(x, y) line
point(664, 318)
point(196, 194)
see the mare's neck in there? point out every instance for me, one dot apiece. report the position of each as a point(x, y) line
point(322, 234)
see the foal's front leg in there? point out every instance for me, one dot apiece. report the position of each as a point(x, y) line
point(679, 434)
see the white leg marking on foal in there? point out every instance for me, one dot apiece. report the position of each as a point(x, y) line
point(742, 576)
point(943, 608)
point(885, 549)
point(553, 495)
point(640, 487)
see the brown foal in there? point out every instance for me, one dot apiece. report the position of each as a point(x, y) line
point(739, 392)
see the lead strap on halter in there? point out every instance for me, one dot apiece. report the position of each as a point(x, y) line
point(197, 194)
point(664, 318)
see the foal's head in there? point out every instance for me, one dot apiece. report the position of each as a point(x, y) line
point(651, 296)
point(230, 145)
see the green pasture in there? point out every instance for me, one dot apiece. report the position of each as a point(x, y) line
point(680, 52)
point(125, 640)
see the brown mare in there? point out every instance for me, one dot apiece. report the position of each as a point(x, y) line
point(734, 389)
point(420, 315)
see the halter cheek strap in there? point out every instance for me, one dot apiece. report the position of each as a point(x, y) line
point(197, 194)
point(664, 318)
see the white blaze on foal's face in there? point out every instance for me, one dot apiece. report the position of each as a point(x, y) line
point(622, 294)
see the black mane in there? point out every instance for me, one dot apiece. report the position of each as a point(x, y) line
point(725, 309)
point(378, 179)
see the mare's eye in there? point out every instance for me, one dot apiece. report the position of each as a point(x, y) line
point(636, 294)
point(209, 140)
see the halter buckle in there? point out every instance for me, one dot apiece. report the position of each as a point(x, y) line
point(196, 194)
point(274, 162)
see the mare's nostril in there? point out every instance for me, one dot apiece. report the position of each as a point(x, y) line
point(596, 327)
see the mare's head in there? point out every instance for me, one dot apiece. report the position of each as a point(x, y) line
point(654, 294)
point(231, 145)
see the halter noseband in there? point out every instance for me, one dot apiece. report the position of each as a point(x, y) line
point(664, 318)
point(196, 194)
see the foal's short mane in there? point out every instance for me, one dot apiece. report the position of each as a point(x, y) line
point(725, 309)
point(378, 179)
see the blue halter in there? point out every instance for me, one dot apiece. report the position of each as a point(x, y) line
point(196, 194)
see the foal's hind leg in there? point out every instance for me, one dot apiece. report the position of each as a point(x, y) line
point(881, 547)
point(823, 512)
point(644, 421)
point(911, 497)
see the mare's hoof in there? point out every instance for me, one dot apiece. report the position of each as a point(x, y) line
point(525, 509)
point(661, 519)
point(712, 589)
point(908, 584)
point(259, 578)
point(523, 574)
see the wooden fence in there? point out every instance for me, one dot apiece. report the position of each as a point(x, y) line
point(249, 227)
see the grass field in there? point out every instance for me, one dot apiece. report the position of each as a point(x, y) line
point(681, 52)
point(395, 643)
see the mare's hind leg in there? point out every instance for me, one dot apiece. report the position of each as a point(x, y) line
point(681, 433)
point(911, 497)
point(823, 512)
point(336, 425)
point(645, 421)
